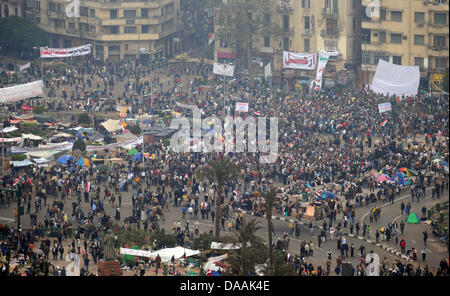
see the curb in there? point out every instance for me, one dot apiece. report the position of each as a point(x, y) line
point(385, 247)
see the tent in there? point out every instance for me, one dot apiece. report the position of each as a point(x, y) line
point(22, 163)
point(406, 171)
point(310, 213)
point(399, 178)
point(64, 159)
point(101, 168)
point(413, 219)
point(112, 125)
point(132, 152)
point(82, 162)
point(383, 177)
point(32, 137)
point(137, 156)
point(177, 252)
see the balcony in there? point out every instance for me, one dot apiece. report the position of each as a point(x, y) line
point(437, 47)
point(328, 12)
point(329, 34)
point(90, 35)
point(288, 31)
point(307, 33)
point(285, 9)
point(72, 31)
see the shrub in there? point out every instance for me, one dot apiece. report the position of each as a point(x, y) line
point(135, 129)
point(79, 145)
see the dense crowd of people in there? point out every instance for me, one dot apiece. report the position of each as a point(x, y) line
point(328, 142)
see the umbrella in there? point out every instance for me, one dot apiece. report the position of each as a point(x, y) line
point(132, 152)
point(137, 156)
point(64, 159)
point(406, 171)
point(82, 162)
point(444, 163)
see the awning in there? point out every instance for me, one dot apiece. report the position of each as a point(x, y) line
point(31, 137)
point(112, 125)
point(10, 129)
point(21, 163)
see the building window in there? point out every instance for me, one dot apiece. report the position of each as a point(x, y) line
point(92, 11)
point(266, 19)
point(92, 29)
point(419, 62)
point(126, 46)
point(383, 36)
point(114, 29)
point(397, 60)
point(114, 49)
point(285, 23)
point(396, 16)
point(419, 39)
point(113, 14)
point(396, 38)
point(306, 3)
point(71, 25)
point(130, 30)
point(286, 44)
point(144, 12)
point(439, 41)
point(440, 63)
point(383, 14)
point(266, 41)
point(67, 43)
point(145, 28)
point(307, 48)
point(307, 22)
point(419, 17)
point(332, 26)
point(354, 24)
point(84, 11)
point(129, 13)
point(440, 19)
point(366, 36)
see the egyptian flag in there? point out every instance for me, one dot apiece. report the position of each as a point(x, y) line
point(16, 181)
point(88, 186)
point(235, 192)
point(257, 113)
point(384, 123)
point(318, 194)
point(187, 176)
point(89, 101)
point(287, 257)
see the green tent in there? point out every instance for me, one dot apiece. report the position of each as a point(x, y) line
point(132, 152)
point(413, 219)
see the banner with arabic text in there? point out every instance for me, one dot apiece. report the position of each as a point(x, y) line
point(138, 140)
point(21, 92)
point(303, 61)
point(323, 60)
point(65, 52)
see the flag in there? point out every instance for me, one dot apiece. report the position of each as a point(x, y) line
point(15, 182)
point(187, 176)
point(235, 192)
point(384, 123)
point(88, 186)
point(211, 38)
point(24, 67)
point(89, 101)
point(287, 257)
point(257, 113)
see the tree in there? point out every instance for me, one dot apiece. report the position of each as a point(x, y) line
point(83, 118)
point(241, 22)
point(18, 35)
point(252, 249)
point(219, 171)
point(79, 145)
point(269, 199)
point(135, 129)
point(445, 83)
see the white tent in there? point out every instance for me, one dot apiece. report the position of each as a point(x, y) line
point(10, 129)
point(177, 252)
point(31, 137)
point(112, 125)
point(21, 163)
point(395, 79)
point(211, 264)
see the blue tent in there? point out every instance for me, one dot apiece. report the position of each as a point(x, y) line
point(400, 178)
point(215, 273)
point(64, 159)
point(444, 163)
point(327, 194)
point(137, 156)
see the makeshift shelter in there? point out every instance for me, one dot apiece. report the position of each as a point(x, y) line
point(112, 125)
point(101, 168)
point(22, 163)
point(382, 178)
point(32, 137)
point(211, 266)
point(413, 219)
point(177, 252)
point(310, 213)
point(137, 157)
point(132, 152)
point(406, 171)
point(64, 159)
point(82, 162)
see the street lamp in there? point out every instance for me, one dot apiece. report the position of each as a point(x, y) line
point(40, 62)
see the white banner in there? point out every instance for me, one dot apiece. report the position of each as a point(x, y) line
point(395, 79)
point(268, 70)
point(61, 147)
point(304, 61)
point(241, 107)
point(138, 140)
point(65, 52)
point(21, 92)
point(385, 107)
point(323, 59)
point(26, 66)
point(132, 252)
point(10, 140)
point(223, 69)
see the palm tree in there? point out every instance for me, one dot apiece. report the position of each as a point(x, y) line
point(269, 199)
point(219, 171)
point(251, 247)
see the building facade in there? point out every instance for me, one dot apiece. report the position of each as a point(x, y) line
point(143, 30)
point(12, 8)
point(307, 26)
point(408, 33)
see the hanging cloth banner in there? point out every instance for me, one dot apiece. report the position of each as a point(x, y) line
point(65, 52)
point(323, 59)
point(304, 61)
point(21, 92)
point(223, 69)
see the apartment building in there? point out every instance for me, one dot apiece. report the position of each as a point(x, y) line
point(144, 30)
point(307, 26)
point(11, 8)
point(408, 33)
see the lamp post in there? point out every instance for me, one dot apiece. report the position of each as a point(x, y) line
point(40, 62)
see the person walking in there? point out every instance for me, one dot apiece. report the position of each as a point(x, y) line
point(425, 237)
point(403, 245)
point(424, 255)
point(402, 207)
